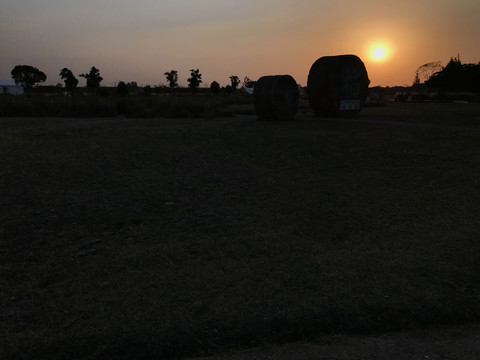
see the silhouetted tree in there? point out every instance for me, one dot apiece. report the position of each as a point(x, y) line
point(172, 78)
point(472, 77)
point(456, 76)
point(195, 79)
point(122, 89)
point(416, 80)
point(27, 76)
point(449, 77)
point(426, 71)
point(215, 88)
point(93, 78)
point(249, 83)
point(70, 80)
point(235, 81)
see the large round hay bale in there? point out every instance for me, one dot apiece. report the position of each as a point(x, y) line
point(337, 85)
point(276, 97)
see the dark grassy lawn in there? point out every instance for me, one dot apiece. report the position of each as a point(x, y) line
point(153, 237)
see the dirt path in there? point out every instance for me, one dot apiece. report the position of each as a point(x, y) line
point(460, 342)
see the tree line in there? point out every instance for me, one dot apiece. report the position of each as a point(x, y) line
point(454, 77)
point(28, 76)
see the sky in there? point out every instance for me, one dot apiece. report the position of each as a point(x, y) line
point(141, 40)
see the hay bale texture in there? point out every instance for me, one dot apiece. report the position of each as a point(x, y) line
point(276, 97)
point(337, 85)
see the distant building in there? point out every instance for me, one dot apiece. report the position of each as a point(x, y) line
point(9, 87)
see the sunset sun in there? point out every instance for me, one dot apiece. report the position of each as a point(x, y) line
point(379, 52)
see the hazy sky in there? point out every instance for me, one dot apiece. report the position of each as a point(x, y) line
point(140, 40)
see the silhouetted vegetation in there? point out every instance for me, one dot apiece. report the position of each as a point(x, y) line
point(215, 88)
point(234, 81)
point(425, 71)
point(228, 89)
point(456, 77)
point(27, 76)
point(121, 100)
point(122, 89)
point(147, 90)
point(416, 80)
point(132, 87)
point(70, 80)
point(249, 83)
point(172, 78)
point(93, 78)
point(194, 80)
point(454, 82)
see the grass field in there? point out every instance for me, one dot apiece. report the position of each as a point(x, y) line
point(143, 238)
point(176, 105)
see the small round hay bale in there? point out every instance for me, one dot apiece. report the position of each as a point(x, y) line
point(276, 97)
point(337, 85)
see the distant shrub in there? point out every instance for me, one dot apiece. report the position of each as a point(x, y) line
point(229, 89)
point(122, 89)
point(147, 90)
point(215, 88)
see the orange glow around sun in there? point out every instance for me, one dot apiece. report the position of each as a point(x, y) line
point(379, 52)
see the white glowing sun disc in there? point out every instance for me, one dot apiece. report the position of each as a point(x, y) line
point(379, 52)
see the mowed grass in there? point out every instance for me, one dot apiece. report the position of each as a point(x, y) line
point(167, 238)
